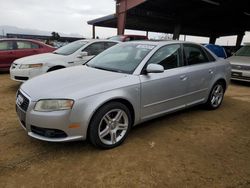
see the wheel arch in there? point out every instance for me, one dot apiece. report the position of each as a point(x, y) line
point(123, 101)
point(223, 81)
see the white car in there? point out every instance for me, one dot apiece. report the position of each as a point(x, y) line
point(75, 53)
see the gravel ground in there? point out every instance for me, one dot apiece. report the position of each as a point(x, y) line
point(191, 148)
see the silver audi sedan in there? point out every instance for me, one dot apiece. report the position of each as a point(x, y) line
point(125, 85)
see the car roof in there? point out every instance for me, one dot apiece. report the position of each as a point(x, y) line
point(19, 39)
point(99, 40)
point(152, 42)
point(133, 35)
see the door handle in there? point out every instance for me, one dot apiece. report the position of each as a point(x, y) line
point(183, 78)
point(211, 71)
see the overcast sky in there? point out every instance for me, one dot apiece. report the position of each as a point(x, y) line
point(71, 16)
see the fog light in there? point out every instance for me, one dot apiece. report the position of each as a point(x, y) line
point(49, 133)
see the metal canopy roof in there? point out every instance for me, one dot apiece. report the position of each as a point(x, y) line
point(195, 17)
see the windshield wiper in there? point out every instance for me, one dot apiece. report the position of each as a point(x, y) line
point(106, 69)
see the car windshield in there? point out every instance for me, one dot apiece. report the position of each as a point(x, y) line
point(244, 51)
point(70, 48)
point(121, 58)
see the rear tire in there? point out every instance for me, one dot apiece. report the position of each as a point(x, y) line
point(110, 125)
point(216, 96)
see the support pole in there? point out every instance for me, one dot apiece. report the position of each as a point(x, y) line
point(212, 39)
point(177, 30)
point(239, 40)
point(121, 23)
point(93, 31)
point(121, 13)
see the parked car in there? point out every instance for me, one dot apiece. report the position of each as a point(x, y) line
point(125, 85)
point(12, 49)
point(240, 62)
point(125, 38)
point(75, 53)
point(217, 50)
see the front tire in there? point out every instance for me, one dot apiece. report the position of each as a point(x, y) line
point(110, 125)
point(216, 96)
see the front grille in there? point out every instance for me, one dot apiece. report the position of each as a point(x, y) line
point(21, 78)
point(241, 77)
point(22, 101)
point(241, 67)
point(49, 133)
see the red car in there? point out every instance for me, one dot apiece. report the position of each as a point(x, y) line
point(12, 49)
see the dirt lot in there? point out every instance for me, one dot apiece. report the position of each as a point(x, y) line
point(192, 148)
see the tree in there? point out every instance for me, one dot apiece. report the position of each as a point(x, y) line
point(55, 36)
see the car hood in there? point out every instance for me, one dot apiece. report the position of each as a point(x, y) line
point(75, 83)
point(239, 60)
point(39, 58)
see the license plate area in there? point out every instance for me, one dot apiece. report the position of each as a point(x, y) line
point(21, 115)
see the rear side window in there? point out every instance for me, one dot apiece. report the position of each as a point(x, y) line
point(168, 56)
point(194, 54)
point(26, 45)
point(6, 45)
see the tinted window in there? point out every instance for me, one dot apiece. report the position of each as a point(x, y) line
point(109, 44)
point(26, 45)
point(168, 56)
point(6, 45)
point(194, 54)
point(95, 48)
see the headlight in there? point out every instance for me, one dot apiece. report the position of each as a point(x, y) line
point(53, 105)
point(27, 66)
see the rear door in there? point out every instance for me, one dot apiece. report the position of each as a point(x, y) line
point(26, 48)
point(7, 54)
point(164, 92)
point(200, 72)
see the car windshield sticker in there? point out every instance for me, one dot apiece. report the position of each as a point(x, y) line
point(145, 46)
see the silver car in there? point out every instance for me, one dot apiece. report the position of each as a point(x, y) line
point(125, 85)
point(240, 62)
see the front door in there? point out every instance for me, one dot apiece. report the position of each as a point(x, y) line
point(164, 92)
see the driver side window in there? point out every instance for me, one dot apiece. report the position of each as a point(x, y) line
point(168, 56)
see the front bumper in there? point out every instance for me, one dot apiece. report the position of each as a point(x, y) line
point(241, 75)
point(23, 75)
point(40, 125)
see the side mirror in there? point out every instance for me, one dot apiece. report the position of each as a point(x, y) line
point(82, 54)
point(154, 68)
